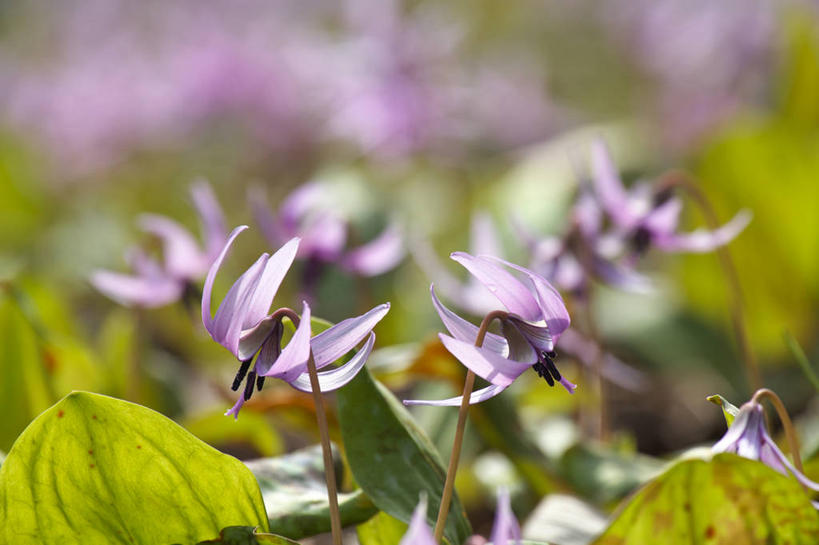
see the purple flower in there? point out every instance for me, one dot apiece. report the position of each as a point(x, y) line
point(748, 437)
point(536, 319)
point(306, 213)
point(649, 218)
point(505, 528)
point(243, 326)
point(184, 261)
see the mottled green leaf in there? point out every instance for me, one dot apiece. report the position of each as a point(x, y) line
point(382, 529)
point(295, 494)
point(729, 410)
point(390, 456)
point(727, 500)
point(115, 472)
point(246, 535)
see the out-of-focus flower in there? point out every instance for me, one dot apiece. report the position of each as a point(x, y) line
point(184, 262)
point(536, 318)
point(649, 218)
point(504, 529)
point(243, 326)
point(307, 214)
point(748, 437)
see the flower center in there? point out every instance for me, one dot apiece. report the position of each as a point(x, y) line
point(546, 369)
point(641, 239)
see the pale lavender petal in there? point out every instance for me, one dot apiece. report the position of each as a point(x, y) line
point(330, 345)
point(621, 276)
point(379, 255)
point(466, 331)
point(207, 320)
point(587, 352)
point(506, 526)
point(140, 291)
point(663, 220)
point(142, 264)
point(703, 240)
point(538, 335)
point(730, 440)
point(484, 236)
point(336, 378)
point(609, 188)
point(211, 216)
point(520, 348)
point(298, 203)
point(293, 358)
point(271, 229)
point(476, 397)
point(587, 214)
point(226, 328)
point(324, 238)
point(486, 364)
point(237, 406)
point(183, 258)
point(570, 386)
point(787, 463)
point(268, 343)
point(274, 272)
point(418, 532)
point(512, 293)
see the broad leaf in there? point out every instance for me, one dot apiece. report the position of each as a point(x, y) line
point(295, 494)
point(727, 500)
point(115, 472)
point(246, 535)
point(382, 529)
point(729, 411)
point(390, 456)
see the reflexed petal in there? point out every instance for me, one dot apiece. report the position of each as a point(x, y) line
point(418, 532)
point(183, 258)
point(227, 323)
point(506, 526)
point(512, 293)
point(609, 188)
point(141, 291)
point(702, 240)
point(621, 276)
point(783, 460)
point(483, 362)
point(298, 203)
point(207, 320)
point(330, 345)
point(537, 335)
point(586, 351)
point(210, 213)
point(339, 376)
point(466, 331)
point(293, 358)
point(271, 229)
point(379, 255)
point(570, 386)
point(274, 272)
point(477, 396)
point(142, 264)
point(237, 406)
point(730, 440)
point(324, 238)
point(520, 348)
point(664, 219)
point(586, 214)
point(269, 349)
point(483, 235)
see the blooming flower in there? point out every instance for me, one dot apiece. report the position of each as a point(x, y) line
point(650, 218)
point(306, 213)
point(504, 529)
point(748, 437)
point(243, 326)
point(536, 318)
point(155, 284)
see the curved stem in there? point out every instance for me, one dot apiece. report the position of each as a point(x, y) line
point(787, 425)
point(469, 383)
point(321, 420)
point(682, 180)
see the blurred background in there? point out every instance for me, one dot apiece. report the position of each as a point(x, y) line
point(420, 114)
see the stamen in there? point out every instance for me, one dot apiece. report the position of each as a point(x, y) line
point(550, 364)
point(251, 379)
point(543, 372)
point(240, 376)
point(259, 382)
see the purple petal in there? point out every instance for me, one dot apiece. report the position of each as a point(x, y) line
point(142, 264)
point(379, 255)
point(476, 397)
point(484, 236)
point(140, 291)
point(466, 331)
point(587, 352)
point(663, 220)
point(418, 532)
point(701, 240)
point(570, 386)
point(267, 341)
point(183, 258)
point(330, 345)
point(293, 358)
point(506, 526)
point(587, 214)
point(483, 362)
point(609, 188)
point(621, 276)
point(512, 293)
point(237, 406)
point(324, 238)
point(520, 348)
point(787, 463)
point(274, 272)
point(214, 268)
point(336, 378)
point(537, 335)
point(270, 228)
point(736, 430)
point(211, 216)
point(298, 203)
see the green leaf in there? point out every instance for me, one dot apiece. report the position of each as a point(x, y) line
point(115, 472)
point(726, 500)
point(390, 456)
point(382, 529)
point(729, 411)
point(295, 494)
point(246, 535)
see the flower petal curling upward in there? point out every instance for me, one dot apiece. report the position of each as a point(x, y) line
point(210, 214)
point(128, 290)
point(378, 256)
point(330, 345)
point(485, 363)
point(292, 360)
point(506, 527)
point(183, 259)
point(466, 331)
point(609, 187)
point(702, 240)
point(418, 532)
point(334, 379)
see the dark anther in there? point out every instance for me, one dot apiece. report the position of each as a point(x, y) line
point(259, 382)
point(251, 380)
point(550, 364)
point(662, 197)
point(641, 240)
point(543, 373)
point(240, 376)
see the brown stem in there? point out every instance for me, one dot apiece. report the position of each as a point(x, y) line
point(787, 425)
point(469, 383)
point(321, 420)
point(682, 180)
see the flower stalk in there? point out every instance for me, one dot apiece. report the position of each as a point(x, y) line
point(469, 383)
point(787, 424)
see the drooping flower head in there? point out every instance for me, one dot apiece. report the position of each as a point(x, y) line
point(244, 326)
point(649, 217)
point(535, 318)
point(184, 261)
